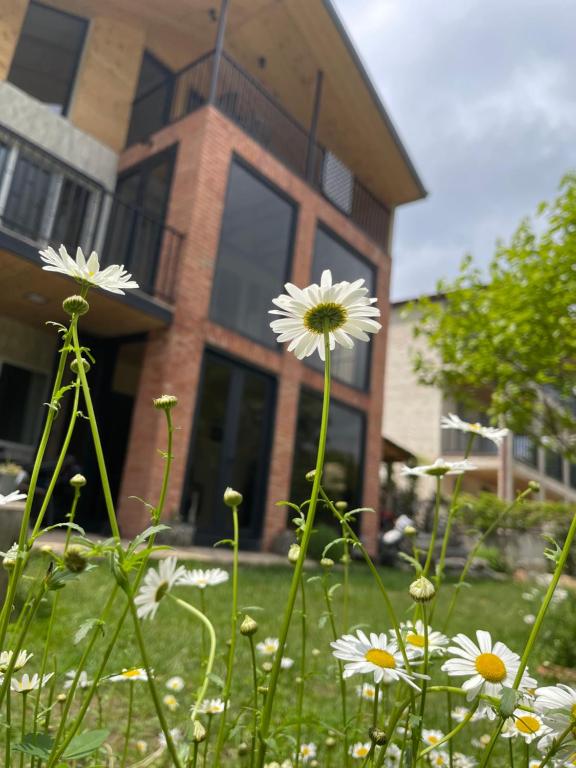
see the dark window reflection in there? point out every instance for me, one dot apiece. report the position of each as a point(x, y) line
point(47, 55)
point(253, 258)
point(348, 365)
point(27, 388)
point(343, 472)
point(151, 107)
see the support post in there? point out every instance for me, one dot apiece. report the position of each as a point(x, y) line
point(311, 153)
point(218, 50)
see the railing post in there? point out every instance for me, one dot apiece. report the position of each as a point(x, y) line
point(311, 153)
point(218, 50)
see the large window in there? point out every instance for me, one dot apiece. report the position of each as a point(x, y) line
point(47, 55)
point(254, 254)
point(348, 365)
point(21, 393)
point(343, 472)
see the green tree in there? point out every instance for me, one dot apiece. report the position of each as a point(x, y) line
point(506, 342)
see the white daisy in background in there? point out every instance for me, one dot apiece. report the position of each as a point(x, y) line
point(481, 741)
point(171, 702)
point(156, 584)
point(343, 308)
point(367, 691)
point(268, 646)
point(212, 706)
point(141, 746)
point(10, 498)
point(439, 468)
point(307, 752)
point(439, 759)
point(393, 756)
point(431, 737)
point(203, 579)
point(175, 684)
point(83, 681)
point(27, 683)
point(286, 662)
point(488, 667)
point(557, 705)
point(175, 734)
point(463, 761)
point(452, 421)
point(415, 638)
point(359, 750)
point(87, 271)
point(22, 659)
point(377, 655)
point(527, 725)
point(135, 674)
point(459, 714)
point(529, 619)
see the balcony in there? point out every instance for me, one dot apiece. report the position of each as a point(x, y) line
point(457, 442)
point(43, 201)
point(525, 450)
point(247, 103)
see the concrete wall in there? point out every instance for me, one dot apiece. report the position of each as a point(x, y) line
point(27, 346)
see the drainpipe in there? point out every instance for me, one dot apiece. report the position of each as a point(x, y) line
point(218, 51)
point(311, 152)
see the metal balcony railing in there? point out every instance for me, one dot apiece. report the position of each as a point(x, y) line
point(247, 103)
point(524, 449)
point(44, 201)
point(457, 442)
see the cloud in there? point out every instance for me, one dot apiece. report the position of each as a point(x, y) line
point(482, 94)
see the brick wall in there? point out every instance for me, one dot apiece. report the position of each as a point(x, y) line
point(206, 143)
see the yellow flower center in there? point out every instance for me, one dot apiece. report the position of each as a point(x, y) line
point(418, 640)
point(491, 667)
point(476, 427)
point(433, 739)
point(362, 751)
point(527, 724)
point(381, 658)
point(334, 315)
point(131, 673)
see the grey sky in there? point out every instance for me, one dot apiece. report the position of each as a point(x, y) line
point(483, 93)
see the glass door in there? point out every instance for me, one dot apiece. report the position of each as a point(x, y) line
point(230, 447)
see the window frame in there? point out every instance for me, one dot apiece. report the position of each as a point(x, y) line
point(86, 22)
point(243, 163)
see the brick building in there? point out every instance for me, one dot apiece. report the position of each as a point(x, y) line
point(216, 149)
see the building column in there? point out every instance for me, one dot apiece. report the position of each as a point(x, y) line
point(11, 19)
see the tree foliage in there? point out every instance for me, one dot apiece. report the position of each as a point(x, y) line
point(506, 343)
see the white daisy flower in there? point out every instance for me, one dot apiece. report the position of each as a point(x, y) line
point(212, 706)
point(286, 662)
point(481, 741)
point(439, 758)
point(343, 308)
point(83, 681)
point(527, 725)
point(268, 646)
point(132, 675)
point(22, 659)
point(557, 705)
point(377, 655)
point(393, 756)
point(459, 714)
point(431, 737)
point(463, 761)
point(529, 619)
point(171, 702)
point(87, 272)
point(203, 579)
point(141, 746)
point(175, 733)
point(359, 750)
point(10, 498)
point(27, 683)
point(156, 584)
point(175, 684)
point(307, 752)
point(488, 667)
point(414, 637)
point(490, 433)
point(367, 691)
point(439, 468)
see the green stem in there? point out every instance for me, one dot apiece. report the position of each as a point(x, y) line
point(212, 635)
point(372, 752)
point(432, 544)
point(425, 672)
point(556, 744)
point(511, 753)
point(203, 628)
point(194, 762)
point(233, 636)
point(128, 724)
point(450, 743)
point(255, 686)
point(341, 680)
point(308, 528)
point(526, 754)
point(23, 736)
point(206, 742)
point(8, 735)
point(449, 736)
point(346, 587)
point(300, 701)
point(96, 438)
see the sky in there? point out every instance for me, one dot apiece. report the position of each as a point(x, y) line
point(483, 94)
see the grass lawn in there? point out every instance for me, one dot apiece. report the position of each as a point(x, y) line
point(174, 642)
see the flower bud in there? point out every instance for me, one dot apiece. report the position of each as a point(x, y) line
point(294, 553)
point(311, 475)
point(267, 667)
point(534, 486)
point(74, 367)
point(248, 627)
point(46, 549)
point(316, 652)
point(422, 590)
point(61, 698)
point(327, 563)
point(330, 742)
point(78, 481)
point(410, 531)
point(198, 732)
point(378, 736)
point(9, 559)
point(232, 498)
point(263, 689)
point(75, 305)
point(314, 764)
point(165, 402)
point(75, 560)
point(243, 749)
point(341, 506)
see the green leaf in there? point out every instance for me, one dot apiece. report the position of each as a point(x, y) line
point(84, 744)
point(328, 547)
point(35, 745)
point(221, 542)
point(508, 701)
point(85, 628)
point(146, 534)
